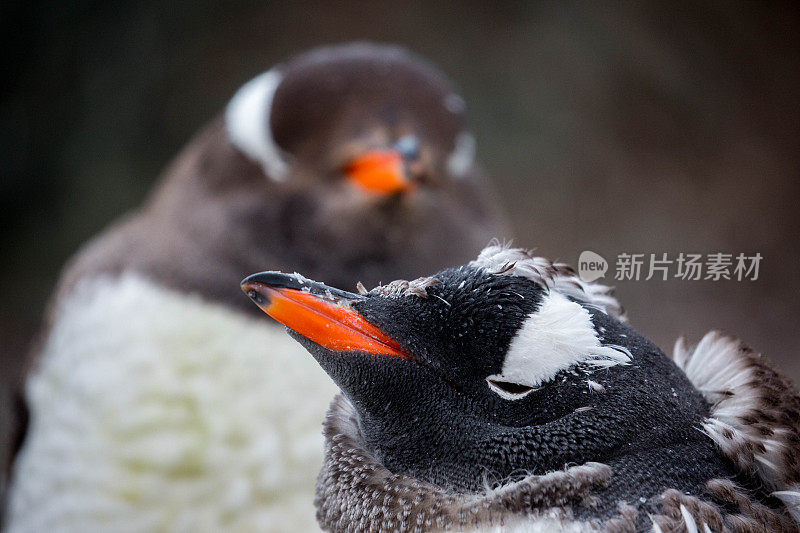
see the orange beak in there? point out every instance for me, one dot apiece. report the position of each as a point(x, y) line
point(379, 171)
point(319, 313)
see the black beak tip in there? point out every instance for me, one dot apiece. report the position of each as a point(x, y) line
point(252, 284)
point(278, 280)
point(274, 279)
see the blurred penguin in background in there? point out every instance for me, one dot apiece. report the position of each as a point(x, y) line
point(156, 400)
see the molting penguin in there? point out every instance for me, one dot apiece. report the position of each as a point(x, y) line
point(156, 401)
point(508, 393)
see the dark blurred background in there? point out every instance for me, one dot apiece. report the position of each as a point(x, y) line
point(641, 128)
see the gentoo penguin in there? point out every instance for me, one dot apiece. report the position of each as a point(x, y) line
point(509, 394)
point(158, 401)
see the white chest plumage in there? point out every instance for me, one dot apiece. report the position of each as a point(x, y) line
point(152, 411)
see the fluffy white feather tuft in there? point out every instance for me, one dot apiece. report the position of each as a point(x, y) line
point(753, 416)
point(559, 335)
point(247, 121)
point(154, 411)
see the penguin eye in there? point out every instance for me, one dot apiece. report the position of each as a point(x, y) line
point(408, 145)
point(509, 390)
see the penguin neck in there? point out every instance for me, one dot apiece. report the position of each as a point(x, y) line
point(355, 490)
point(466, 454)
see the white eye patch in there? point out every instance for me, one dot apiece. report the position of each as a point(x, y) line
point(556, 337)
point(247, 121)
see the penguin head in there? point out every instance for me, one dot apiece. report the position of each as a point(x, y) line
point(506, 366)
point(373, 117)
point(360, 149)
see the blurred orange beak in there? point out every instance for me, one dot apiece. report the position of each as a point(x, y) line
point(380, 172)
point(319, 313)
